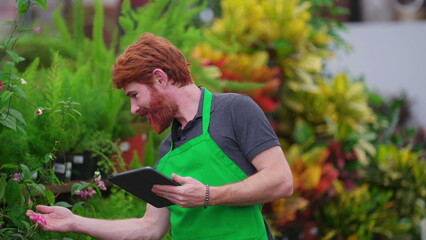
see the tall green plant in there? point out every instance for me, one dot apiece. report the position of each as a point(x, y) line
point(400, 170)
point(10, 79)
point(363, 213)
point(170, 19)
point(81, 71)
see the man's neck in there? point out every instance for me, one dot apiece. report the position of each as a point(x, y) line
point(187, 99)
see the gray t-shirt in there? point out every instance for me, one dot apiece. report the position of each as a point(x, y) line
point(237, 125)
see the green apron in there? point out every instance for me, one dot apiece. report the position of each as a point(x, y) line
point(202, 159)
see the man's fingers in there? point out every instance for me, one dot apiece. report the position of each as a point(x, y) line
point(30, 213)
point(180, 179)
point(44, 209)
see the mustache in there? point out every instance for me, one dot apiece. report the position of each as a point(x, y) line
point(144, 112)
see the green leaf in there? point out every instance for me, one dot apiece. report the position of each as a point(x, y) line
point(25, 171)
point(21, 129)
point(8, 121)
point(20, 93)
point(72, 116)
point(23, 6)
point(16, 214)
point(41, 3)
point(50, 197)
point(8, 165)
point(13, 194)
point(17, 115)
point(2, 188)
point(77, 205)
point(303, 134)
point(63, 204)
point(5, 96)
point(8, 42)
point(78, 113)
point(4, 76)
point(15, 57)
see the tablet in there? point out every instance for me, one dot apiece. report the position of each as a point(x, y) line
point(139, 182)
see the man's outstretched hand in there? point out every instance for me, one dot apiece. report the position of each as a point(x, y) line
point(57, 219)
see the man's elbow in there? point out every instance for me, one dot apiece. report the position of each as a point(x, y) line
point(285, 188)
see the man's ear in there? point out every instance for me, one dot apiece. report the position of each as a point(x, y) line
point(160, 77)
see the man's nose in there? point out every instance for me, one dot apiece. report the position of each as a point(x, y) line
point(134, 109)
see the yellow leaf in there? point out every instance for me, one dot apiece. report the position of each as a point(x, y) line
point(311, 63)
point(310, 177)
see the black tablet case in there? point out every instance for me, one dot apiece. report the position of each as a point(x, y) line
point(139, 182)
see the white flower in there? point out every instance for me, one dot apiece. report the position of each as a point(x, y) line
point(23, 81)
point(39, 112)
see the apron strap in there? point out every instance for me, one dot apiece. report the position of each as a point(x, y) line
point(208, 96)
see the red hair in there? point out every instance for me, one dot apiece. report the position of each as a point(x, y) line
point(138, 61)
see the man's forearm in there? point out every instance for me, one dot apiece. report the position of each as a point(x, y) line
point(132, 228)
point(272, 181)
point(254, 190)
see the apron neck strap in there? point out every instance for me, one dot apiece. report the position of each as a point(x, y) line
point(208, 96)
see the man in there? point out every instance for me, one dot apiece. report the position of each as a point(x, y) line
point(221, 149)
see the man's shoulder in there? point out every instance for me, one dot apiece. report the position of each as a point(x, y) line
point(231, 99)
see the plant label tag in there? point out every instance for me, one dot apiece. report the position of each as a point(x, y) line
point(78, 159)
point(59, 168)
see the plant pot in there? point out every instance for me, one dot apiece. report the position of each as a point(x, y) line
point(84, 165)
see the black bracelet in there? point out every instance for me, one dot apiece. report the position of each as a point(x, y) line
point(206, 202)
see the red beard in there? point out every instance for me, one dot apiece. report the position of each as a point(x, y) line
point(161, 111)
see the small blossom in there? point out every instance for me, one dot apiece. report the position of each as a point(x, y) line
point(39, 111)
point(85, 193)
point(16, 177)
point(23, 81)
point(37, 30)
point(101, 184)
point(90, 192)
point(38, 219)
point(1, 85)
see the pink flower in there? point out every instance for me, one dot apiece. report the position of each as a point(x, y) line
point(37, 30)
point(37, 218)
point(16, 177)
point(85, 193)
point(90, 192)
point(101, 184)
point(1, 85)
point(39, 111)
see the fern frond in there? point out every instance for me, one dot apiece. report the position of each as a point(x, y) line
point(61, 25)
point(78, 26)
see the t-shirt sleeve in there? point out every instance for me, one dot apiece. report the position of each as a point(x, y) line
point(253, 131)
